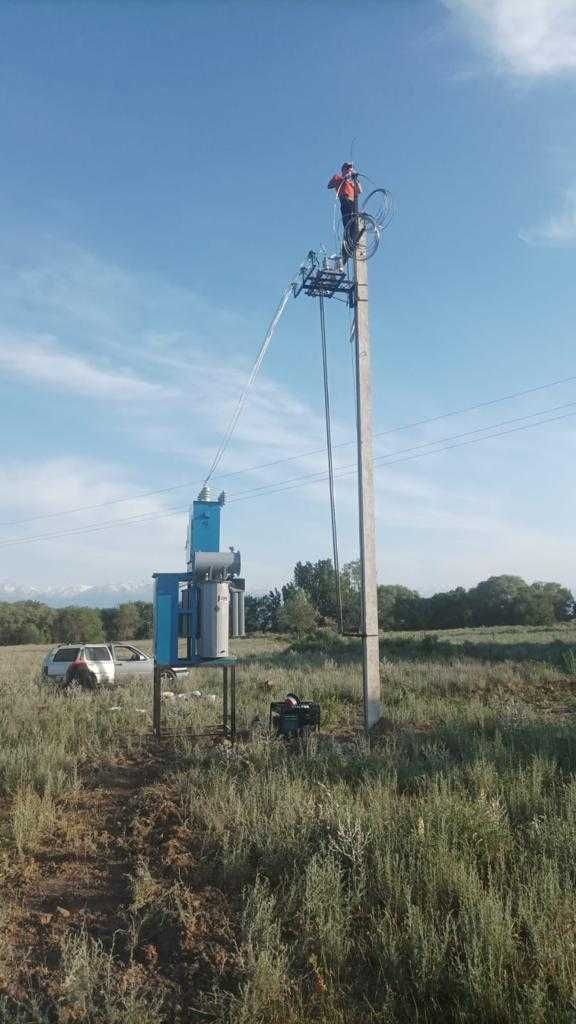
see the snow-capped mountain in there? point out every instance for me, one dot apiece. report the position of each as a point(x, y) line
point(106, 595)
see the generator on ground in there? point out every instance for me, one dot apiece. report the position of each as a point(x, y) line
point(293, 717)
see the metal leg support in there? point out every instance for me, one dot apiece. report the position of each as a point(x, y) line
point(225, 700)
point(233, 703)
point(156, 702)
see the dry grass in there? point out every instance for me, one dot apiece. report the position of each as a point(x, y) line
point(428, 877)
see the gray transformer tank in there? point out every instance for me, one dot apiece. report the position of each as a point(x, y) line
point(214, 616)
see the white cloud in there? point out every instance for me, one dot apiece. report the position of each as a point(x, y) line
point(559, 229)
point(118, 553)
point(41, 360)
point(168, 332)
point(435, 531)
point(526, 37)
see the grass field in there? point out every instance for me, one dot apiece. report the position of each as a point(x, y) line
point(426, 877)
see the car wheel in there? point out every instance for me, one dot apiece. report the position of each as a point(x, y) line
point(168, 675)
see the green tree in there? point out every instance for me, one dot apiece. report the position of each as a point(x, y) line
point(262, 612)
point(109, 618)
point(7, 623)
point(561, 598)
point(297, 614)
point(350, 591)
point(447, 610)
point(128, 621)
point(28, 633)
point(495, 601)
point(146, 627)
point(81, 624)
point(533, 608)
point(396, 606)
point(352, 573)
point(317, 580)
point(25, 622)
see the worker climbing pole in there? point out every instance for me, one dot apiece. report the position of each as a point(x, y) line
point(361, 228)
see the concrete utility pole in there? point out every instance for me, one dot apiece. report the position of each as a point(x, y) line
point(370, 648)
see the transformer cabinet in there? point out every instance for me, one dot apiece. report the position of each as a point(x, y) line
point(192, 609)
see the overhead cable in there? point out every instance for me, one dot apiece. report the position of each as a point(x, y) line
point(291, 458)
point(378, 460)
point(387, 461)
point(295, 483)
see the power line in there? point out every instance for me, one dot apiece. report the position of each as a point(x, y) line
point(295, 483)
point(392, 462)
point(144, 517)
point(289, 458)
point(385, 459)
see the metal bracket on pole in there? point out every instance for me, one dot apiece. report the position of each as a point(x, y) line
point(324, 281)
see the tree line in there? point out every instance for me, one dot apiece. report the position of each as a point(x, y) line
point(308, 601)
point(31, 622)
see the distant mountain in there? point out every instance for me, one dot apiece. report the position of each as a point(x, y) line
point(106, 595)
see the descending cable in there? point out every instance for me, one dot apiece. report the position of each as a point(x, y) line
point(293, 458)
point(330, 465)
point(295, 483)
point(242, 400)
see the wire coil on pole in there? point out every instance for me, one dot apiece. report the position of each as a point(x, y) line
point(361, 236)
point(379, 204)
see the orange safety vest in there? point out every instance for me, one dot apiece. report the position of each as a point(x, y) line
point(346, 187)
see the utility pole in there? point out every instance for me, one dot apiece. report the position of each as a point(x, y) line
point(325, 280)
point(370, 646)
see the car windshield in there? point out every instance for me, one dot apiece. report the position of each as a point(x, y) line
point(97, 654)
point(66, 654)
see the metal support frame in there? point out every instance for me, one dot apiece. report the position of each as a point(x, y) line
point(157, 702)
point(229, 685)
point(228, 698)
point(317, 281)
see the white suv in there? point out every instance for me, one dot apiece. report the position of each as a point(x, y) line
point(92, 664)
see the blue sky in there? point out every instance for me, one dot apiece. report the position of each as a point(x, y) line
point(163, 175)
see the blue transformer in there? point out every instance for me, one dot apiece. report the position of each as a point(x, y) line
point(204, 527)
point(180, 627)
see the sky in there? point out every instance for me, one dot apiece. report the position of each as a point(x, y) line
point(163, 176)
